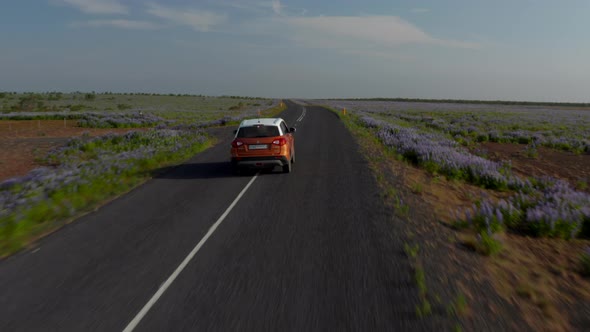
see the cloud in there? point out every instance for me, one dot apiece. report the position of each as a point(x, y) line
point(384, 30)
point(96, 6)
point(355, 32)
point(200, 20)
point(420, 10)
point(122, 24)
point(277, 7)
point(260, 7)
point(379, 54)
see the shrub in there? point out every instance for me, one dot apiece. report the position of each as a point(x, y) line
point(29, 102)
point(544, 208)
point(76, 108)
point(488, 245)
point(484, 243)
point(531, 150)
point(432, 149)
point(54, 96)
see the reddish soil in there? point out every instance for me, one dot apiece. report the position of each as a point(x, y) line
point(22, 142)
point(558, 164)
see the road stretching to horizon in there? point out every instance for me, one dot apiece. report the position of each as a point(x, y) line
point(197, 248)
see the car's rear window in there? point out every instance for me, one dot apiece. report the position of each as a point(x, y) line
point(258, 131)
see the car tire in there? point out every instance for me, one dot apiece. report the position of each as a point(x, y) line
point(287, 168)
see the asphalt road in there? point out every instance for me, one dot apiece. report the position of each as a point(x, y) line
point(307, 251)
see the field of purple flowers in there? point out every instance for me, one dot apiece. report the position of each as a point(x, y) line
point(129, 110)
point(140, 119)
point(89, 170)
point(543, 207)
point(84, 172)
point(563, 129)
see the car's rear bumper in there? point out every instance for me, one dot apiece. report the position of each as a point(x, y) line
point(254, 162)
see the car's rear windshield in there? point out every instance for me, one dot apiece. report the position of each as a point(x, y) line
point(258, 131)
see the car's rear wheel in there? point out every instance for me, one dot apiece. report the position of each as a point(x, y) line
point(287, 168)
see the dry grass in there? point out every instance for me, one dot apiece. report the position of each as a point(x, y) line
point(540, 276)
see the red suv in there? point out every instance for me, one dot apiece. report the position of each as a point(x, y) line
point(263, 143)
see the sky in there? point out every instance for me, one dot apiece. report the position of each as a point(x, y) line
point(533, 50)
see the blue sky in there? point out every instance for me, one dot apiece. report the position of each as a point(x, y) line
point(464, 49)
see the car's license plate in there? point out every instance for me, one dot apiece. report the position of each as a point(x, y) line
point(258, 147)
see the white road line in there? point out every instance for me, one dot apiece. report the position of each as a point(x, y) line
point(133, 324)
point(302, 115)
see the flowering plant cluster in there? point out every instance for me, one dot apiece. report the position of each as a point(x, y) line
point(549, 208)
point(542, 206)
point(441, 155)
point(563, 129)
point(149, 118)
point(87, 170)
point(118, 120)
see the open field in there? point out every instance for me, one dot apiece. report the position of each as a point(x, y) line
point(511, 181)
point(78, 101)
point(136, 109)
point(50, 169)
point(22, 142)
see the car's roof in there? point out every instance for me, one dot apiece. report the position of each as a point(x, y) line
point(261, 121)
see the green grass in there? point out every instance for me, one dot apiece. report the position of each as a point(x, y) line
point(417, 188)
point(420, 280)
point(483, 243)
point(582, 184)
point(411, 251)
point(423, 309)
point(458, 306)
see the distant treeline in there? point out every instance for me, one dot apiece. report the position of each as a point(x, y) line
point(53, 95)
point(461, 101)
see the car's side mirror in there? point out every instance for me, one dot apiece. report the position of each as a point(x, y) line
point(292, 130)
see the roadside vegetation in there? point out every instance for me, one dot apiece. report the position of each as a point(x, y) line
point(73, 179)
point(539, 207)
point(534, 229)
point(84, 173)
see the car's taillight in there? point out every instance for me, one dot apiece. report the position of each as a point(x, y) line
point(237, 144)
point(279, 141)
